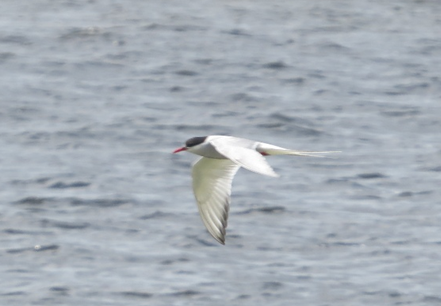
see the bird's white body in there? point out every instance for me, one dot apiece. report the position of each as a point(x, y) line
point(213, 174)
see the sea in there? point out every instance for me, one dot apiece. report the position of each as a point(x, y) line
point(95, 96)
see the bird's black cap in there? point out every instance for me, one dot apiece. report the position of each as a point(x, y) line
point(195, 141)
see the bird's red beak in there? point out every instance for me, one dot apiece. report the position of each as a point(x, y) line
point(179, 150)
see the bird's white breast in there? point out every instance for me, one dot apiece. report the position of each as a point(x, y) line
point(206, 150)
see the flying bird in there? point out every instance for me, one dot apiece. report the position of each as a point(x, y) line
point(213, 173)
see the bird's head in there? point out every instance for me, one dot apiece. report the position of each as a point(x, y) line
point(191, 143)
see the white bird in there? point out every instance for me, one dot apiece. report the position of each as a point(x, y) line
point(213, 173)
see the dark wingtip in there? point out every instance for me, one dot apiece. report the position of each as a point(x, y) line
point(220, 239)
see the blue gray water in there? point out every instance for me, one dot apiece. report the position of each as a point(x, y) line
point(95, 210)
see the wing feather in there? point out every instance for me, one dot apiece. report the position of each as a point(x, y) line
point(268, 149)
point(212, 180)
point(245, 157)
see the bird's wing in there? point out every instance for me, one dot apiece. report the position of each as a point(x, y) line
point(245, 157)
point(268, 149)
point(212, 188)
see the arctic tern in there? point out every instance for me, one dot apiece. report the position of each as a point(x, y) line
point(213, 173)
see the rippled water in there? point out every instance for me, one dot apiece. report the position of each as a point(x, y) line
point(97, 94)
